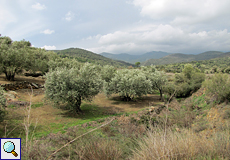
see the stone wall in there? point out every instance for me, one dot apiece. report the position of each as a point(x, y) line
point(21, 85)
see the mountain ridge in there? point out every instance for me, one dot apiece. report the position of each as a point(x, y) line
point(135, 58)
point(180, 57)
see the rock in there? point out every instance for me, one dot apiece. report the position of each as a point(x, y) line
point(9, 96)
point(35, 85)
point(18, 103)
point(21, 85)
point(13, 93)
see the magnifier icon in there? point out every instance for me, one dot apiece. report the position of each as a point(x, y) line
point(9, 147)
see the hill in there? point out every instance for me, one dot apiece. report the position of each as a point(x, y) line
point(86, 56)
point(179, 57)
point(218, 64)
point(135, 58)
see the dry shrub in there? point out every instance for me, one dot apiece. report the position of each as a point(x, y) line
point(128, 128)
point(183, 117)
point(182, 145)
point(100, 149)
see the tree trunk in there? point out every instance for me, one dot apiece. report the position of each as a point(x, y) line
point(9, 76)
point(161, 95)
point(126, 98)
point(78, 105)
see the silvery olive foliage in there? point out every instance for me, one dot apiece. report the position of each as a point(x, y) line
point(158, 78)
point(63, 62)
point(158, 82)
point(12, 56)
point(108, 72)
point(16, 56)
point(128, 84)
point(72, 85)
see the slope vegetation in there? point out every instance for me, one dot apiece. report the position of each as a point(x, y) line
point(179, 57)
point(86, 56)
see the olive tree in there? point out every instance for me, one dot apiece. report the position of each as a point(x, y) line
point(38, 60)
point(63, 62)
point(137, 64)
point(128, 84)
point(73, 85)
point(157, 78)
point(107, 73)
point(12, 56)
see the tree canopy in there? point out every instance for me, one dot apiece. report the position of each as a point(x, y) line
point(12, 56)
point(189, 81)
point(73, 85)
point(128, 84)
point(16, 56)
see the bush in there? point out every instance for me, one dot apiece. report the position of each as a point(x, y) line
point(218, 86)
point(183, 117)
point(188, 82)
point(2, 104)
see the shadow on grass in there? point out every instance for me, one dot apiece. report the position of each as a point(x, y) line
point(90, 112)
point(139, 102)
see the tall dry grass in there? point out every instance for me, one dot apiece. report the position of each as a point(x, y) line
point(29, 134)
point(182, 145)
point(100, 149)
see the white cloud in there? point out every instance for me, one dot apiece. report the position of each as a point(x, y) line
point(184, 11)
point(162, 38)
point(38, 6)
point(49, 47)
point(47, 31)
point(69, 16)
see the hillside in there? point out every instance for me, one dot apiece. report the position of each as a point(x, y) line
point(179, 57)
point(219, 64)
point(86, 56)
point(135, 58)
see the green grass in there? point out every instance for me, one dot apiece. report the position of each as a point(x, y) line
point(36, 105)
point(91, 112)
point(200, 102)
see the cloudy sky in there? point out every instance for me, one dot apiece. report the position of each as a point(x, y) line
point(119, 26)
